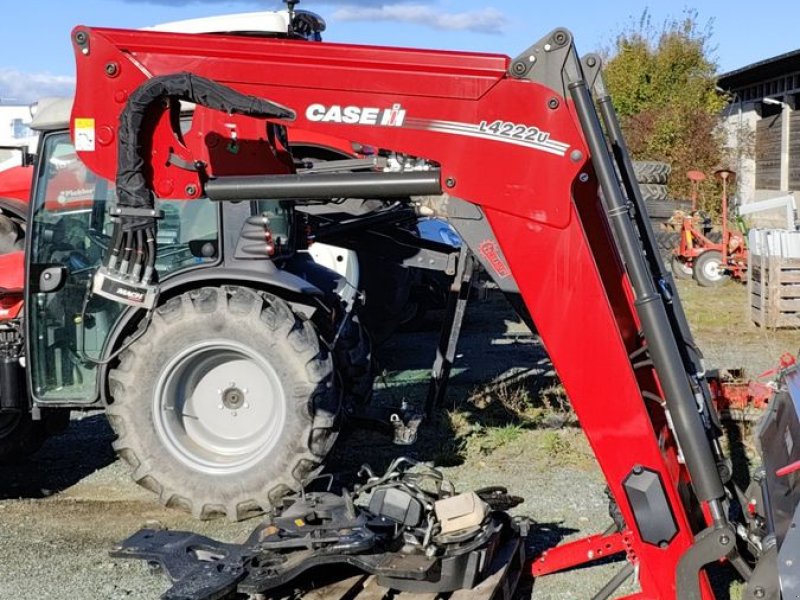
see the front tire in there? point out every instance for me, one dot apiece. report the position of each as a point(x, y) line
point(248, 353)
point(709, 270)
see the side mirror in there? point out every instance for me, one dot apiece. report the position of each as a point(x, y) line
point(47, 278)
point(28, 158)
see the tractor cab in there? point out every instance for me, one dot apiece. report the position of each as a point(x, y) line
point(68, 234)
point(69, 231)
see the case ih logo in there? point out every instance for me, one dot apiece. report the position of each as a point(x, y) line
point(361, 115)
point(490, 252)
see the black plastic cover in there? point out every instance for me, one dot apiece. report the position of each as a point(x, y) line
point(650, 506)
point(396, 505)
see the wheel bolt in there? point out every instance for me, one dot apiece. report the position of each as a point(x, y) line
point(246, 405)
point(233, 413)
point(219, 406)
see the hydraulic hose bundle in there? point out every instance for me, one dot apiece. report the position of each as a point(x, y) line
point(128, 269)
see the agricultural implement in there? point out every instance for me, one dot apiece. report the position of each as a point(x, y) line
point(514, 156)
point(712, 257)
point(711, 260)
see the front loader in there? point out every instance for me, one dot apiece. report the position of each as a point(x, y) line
point(526, 161)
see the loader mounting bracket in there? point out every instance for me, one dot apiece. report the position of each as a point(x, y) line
point(394, 526)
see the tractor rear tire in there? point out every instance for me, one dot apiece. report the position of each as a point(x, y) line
point(353, 353)
point(647, 171)
point(225, 404)
point(681, 269)
point(708, 269)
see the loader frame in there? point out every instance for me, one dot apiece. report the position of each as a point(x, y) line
point(535, 176)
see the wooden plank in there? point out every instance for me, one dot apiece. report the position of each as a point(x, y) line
point(773, 290)
point(789, 263)
point(788, 321)
point(790, 291)
point(372, 591)
point(345, 589)
point(763, 287)
point(788, 305)
point(790, 276)
point(768, 152)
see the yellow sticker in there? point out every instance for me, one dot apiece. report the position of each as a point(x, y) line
point(84, 135)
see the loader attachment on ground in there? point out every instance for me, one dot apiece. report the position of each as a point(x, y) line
point(538, 184)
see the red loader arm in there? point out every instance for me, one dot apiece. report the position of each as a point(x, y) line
point(521, 157)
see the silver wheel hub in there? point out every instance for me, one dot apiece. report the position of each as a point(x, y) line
point(712, 270)
point(219, 407)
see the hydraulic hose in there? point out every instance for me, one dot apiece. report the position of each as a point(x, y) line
point(135, 228)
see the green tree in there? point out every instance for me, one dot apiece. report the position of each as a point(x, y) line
point(663, 83)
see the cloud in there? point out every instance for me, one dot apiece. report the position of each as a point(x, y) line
point(486, 20)
point(23, 88)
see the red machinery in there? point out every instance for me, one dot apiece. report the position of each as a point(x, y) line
point(521, 157)
point(711, 262)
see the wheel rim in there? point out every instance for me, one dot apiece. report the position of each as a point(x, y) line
point(712, 270)
point(219, 407)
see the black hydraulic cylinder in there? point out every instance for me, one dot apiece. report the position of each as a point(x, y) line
point(322, 186)
point(611, 122)
point(12, 390)
point(689, 350)
point(656, 326)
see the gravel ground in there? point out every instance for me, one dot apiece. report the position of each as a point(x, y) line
point(62, 511)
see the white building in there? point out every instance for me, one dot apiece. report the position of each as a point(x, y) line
point(763, 127)
point(15, 130)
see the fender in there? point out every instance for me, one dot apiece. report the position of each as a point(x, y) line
point(17, 208)
point(295, 290)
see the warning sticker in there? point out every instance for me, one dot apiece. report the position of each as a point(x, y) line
point(84, 135)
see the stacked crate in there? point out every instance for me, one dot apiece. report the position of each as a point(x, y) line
point(773, 279)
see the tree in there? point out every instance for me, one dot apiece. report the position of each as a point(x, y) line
point(663, 83)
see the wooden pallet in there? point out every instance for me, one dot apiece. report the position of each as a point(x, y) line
point(773, 284)
point(500, 584)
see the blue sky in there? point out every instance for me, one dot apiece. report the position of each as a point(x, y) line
point(36, 57)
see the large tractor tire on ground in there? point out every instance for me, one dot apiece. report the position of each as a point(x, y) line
point(226, 402)
point(647, 171)
point(667, 241)
point(708, 269)
point(653, 192)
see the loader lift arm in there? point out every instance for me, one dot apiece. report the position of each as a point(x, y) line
point(522, 159)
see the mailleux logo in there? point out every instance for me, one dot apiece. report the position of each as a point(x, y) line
point(360, 115)
point(491, 253)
